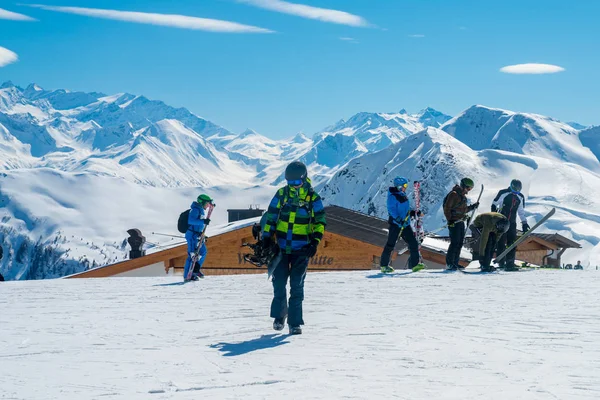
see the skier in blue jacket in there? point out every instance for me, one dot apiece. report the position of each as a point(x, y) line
point(399, 225)
point(196, 222)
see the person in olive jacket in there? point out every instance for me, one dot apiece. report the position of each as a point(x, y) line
point(487, 229)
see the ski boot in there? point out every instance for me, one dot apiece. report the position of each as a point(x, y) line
point(386, 269)
point(418, 267)
point(511, 268)
point(295, 330)
point(488, 269)
point(450, 267)
point(278, 324)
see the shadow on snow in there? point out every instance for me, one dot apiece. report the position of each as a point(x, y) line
point(389, 275)
point(263, 342)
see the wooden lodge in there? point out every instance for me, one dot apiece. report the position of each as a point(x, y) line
point(352, 242)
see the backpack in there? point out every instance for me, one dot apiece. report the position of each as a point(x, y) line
point(445, 199)
point(182, 222)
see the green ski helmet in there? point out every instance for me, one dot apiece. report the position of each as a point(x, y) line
point(204, 198)
point(467, 183)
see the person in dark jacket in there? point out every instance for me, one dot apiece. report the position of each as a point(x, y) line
point(294, 227)
point(399, 213)
point(510, 202)
point(456, 211)
point(487, 228)
point(197, 220)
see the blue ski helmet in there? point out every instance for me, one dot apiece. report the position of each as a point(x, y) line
point(400, 181)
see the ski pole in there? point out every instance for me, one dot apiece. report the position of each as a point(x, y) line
point(166, 234)
point(167, 245)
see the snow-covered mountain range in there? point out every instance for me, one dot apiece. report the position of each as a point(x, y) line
point(79, 169)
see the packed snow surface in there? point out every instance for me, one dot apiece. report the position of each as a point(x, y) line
point(525, 335)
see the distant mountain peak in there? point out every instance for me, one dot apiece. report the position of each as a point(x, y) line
point(300, 138)
point(248, 132)
point(7, 85)
point(35, 87)
point(576, 125)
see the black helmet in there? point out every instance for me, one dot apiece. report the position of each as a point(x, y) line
point(467, 183)
point(296, 171)
point(502, 226)
point(516, 185)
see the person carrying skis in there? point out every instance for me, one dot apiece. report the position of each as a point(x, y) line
point(510, 202)
point(294, 227)
point(487, 228)
point(399, 213)
point(197, 220)
point(456, 212)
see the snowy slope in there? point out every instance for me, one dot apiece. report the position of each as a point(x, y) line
point(481, 128)
point(467, 337)
point(440, 161)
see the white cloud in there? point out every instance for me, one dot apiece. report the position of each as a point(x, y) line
point(531, 69)
point(310, 12)
point(418, 35)
point(7, 57)
point(349, 40)
point(172, 20)
point(5, 14)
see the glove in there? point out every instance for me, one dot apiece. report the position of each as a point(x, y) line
point(270, 245)
point(525, 227)
point(473, 206)
point(206, 221)
point(311, 248)
point(494, 208)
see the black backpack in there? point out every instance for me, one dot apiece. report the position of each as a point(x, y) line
point(446, 199)
point(182, 222)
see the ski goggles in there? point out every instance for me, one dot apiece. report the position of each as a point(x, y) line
point(295, 182)
point(403, 186)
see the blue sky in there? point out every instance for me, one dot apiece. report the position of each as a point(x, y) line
point(395, 54)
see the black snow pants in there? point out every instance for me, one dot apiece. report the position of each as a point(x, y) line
point(409, 237)
point(506, 240)
point(457, 239)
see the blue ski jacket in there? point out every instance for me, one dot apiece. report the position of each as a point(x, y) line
point(398, 207)
point(196, 218)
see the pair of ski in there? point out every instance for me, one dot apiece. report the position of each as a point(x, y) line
point(201, 240)
point(517, 242)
